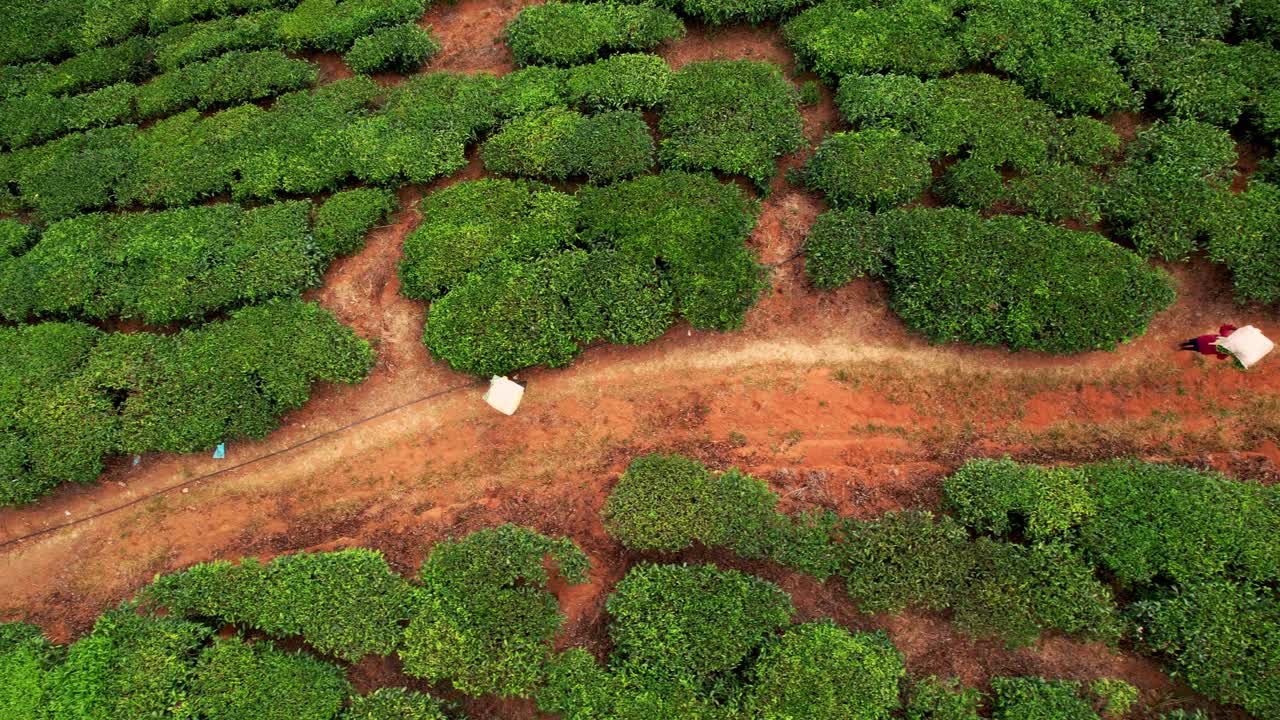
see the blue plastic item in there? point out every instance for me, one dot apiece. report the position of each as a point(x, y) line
point(220, 452)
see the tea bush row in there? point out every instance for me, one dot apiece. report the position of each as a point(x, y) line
point(172, 265)
point(1194, 553)
point(232, 78)
point(571, 33)
point(308, 142)
point(72, 394)
point(558, 143)
point(38, 31)
point(521, 275)
point(721, 12)
point(401, 48)
point(1008, 280)
point(89, 70)
point(633, 81)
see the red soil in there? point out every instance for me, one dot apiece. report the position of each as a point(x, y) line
point(824, 394)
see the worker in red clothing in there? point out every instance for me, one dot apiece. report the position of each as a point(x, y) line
point(1205, 344)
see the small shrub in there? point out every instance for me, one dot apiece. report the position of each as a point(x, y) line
point(1002, 497)
point(904, 559)
point(483, 618)
point(843, 245)
point(936, 699)
point(823, 672)
point(810, 92)
point(253, 681)
point(76, 173)
point(394, 704)
point(632, 80)
point(25, 660)
point(557, 143)
point(913, 37)
point(1210, 80)
point(472, 226)
point(529, 90)
point(732, 116)
point(614, 296)
point(1118, 697)
point(343, 221)
point(558, 33)
point(15, 237)
point(872, 169)
point(674, 624)
point(1246, 238)
point(234, 77)
point(1171, 188)
point(329, 25)
point(193, 42)
point(401, 48)
point(1033, 698)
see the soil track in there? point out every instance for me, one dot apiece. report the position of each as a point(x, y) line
point(825, 394)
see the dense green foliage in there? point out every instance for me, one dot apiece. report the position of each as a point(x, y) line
point(72, 394)
point(558, 143)
point(26, 656)
point(402, 48)
point(1170, 191)
point(483, 618)
point(901, 36)
point(192, 42)
point(935, 699)
point(1002, 497)
point(232, 78)
point(394, 704)
point(1246, 238)
point(875, 168)
point(1214, 82)
point(237, 680)
point(630, 80)
point(731, 116)
point(346, 603)
point(1010, 281)
point(571, 33)
point(904, 559)
point(345, 218)
point(1033, 698)
point(820, 671)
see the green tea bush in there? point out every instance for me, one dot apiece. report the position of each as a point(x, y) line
point(560, 33)
point(614, 296)
point(1118, 697)
point(193, 42)
point(1062, 51)
point(1223, 638)
point(1034, 698)
point(936, 699)
point(558, 143)
point(732, 116)
point(1057, 192)
point(721, 12)
point(674, 624)
point(631, 80)
point(483, 618)
point(72, 394)
point(26, 657)
point(1171, 188)
point(237, 680)
point(95, 68)
point(669, 502)
point(1007, 281)
point(821, 671)
point(33, 31)
point(916, 37)
point(872, 169)
point(346, 603)
point(904, 559)
point(1261, 19)
point(75, 173)
point(107, 21)
point(343, 221)
point(1015, 592)
point(394, 704)
point(1246, 238)
point(130, 666)
point(1211, 81)
point(402, 48)
point(330, 25)
point(132, 266)
point(471, 226)
point(692, 226)
point(1001, 497)
point(172, 12)
point(1159, 523)
point(577, 688)
point(31, 119)
point(234, 77)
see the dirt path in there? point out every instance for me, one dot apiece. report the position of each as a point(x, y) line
point(825, 394)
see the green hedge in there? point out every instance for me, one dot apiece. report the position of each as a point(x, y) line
point(333, 26)
point(571, 33)
point(1009, 281)
point(193, 42)
point(483, 618)
point(402, 48)
point(1246, 238)
point(1172, 187)
point(89, 70)
point(1002, 497)
point(345, 219)
point(917, 37)
point(72, 394)
point(731, 116)
point(232, 78)
point(346, 603)
point(558, 143)
point(26, 657)
point(936, 699)
point(1213, 81)
point(238, 680)
point(394, 704)
point(875, 168)
point(904, 559)
point(821, 671)
point(1033, 698)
